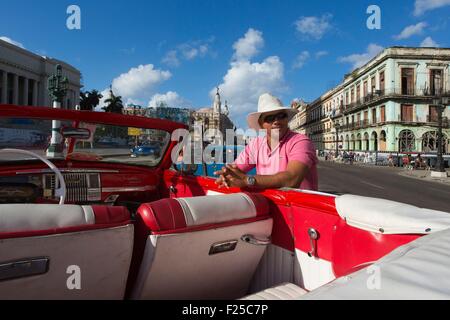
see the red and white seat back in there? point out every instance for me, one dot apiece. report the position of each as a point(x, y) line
point(64, 251)
point(193, 248)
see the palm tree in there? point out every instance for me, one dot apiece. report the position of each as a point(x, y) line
point(94, 98)
point(89, 100)
point(84, 101)
point(114, 103)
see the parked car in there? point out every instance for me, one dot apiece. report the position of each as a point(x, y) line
point(214, 163)
point(111, 227)
point(146, 149)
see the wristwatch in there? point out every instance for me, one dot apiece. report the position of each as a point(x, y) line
point(251, 181)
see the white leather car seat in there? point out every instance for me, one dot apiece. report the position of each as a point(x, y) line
point(201, 247)
point(64, 251)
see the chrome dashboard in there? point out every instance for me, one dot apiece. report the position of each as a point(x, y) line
point(83, 186)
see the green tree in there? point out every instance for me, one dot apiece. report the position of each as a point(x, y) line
point(89, 100)
point(114, 103)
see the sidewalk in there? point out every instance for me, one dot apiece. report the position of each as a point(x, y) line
point(424, 175)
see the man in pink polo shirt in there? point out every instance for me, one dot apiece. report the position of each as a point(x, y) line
point(282, 158)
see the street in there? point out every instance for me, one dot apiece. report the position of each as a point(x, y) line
point(382, 182)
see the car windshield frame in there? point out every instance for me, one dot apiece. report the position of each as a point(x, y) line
point(98, 118)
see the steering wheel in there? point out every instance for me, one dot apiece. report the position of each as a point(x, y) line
point(61, 191)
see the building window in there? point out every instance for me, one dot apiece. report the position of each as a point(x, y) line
point(373, 85)
point(407, 112)
point(382, 88)
point(432, 114)
point(436, 82)
point(365, 89)
point(429, 142)
point(406, 141)
point(407, 81)
point(383, 114)
point(374, 115)
point(352, 95)
point(358, 93)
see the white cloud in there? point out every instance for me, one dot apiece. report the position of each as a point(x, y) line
point(170, 98)
point(106, 95)
point(314, 27)
point(301, 59)
point(246, 81)
point(321, 54)
point(188, 51)
point(9, 40)
point(248, 46)
point(421, 6)
point(358, 60)
point(139, 83)
point(410, 31)
point(429, 42)
point(171, 59)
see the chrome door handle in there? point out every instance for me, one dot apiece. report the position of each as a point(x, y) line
point(249, 238)
point(172, 189)
point(313, 236)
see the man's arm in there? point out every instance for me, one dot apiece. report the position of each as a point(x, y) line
point(291, 178)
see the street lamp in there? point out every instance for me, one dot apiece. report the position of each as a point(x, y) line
point(337, 126)
point(441, 103)
point(57, 88)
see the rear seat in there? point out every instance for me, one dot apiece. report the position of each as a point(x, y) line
point(193, 248)
point(43, 245)
point(285, 291)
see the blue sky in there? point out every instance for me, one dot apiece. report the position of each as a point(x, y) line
point(179, 51)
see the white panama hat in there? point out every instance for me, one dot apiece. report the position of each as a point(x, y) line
point(267, 103)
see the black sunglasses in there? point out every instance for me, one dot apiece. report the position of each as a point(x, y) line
point(273, 117)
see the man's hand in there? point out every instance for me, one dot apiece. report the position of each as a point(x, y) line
point(231, 176)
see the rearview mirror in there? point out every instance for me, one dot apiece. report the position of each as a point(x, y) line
point(77, 133)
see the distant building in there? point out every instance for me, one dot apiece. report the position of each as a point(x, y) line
point(23, 78)
point(299, 120)
point(214, 119)
point(385, 105)
point(181, 115)
point(134, 110)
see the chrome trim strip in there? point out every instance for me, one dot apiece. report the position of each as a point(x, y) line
point(39, 171)
point(129, 189)
point(309, 192)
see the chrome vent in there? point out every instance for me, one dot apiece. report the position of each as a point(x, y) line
point(81, 187)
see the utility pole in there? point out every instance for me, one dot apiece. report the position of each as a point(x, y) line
point(57, 88)
point(441, 103)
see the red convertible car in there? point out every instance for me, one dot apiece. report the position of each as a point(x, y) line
point(84, 220)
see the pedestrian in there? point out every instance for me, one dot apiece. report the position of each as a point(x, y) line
point(282, 158)
point(391, 160)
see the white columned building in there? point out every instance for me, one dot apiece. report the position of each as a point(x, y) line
point(24, 74)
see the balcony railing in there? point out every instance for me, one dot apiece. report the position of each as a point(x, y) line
point(432, 120)
point(362, 124)
point(430, 92)
point(424, 93)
